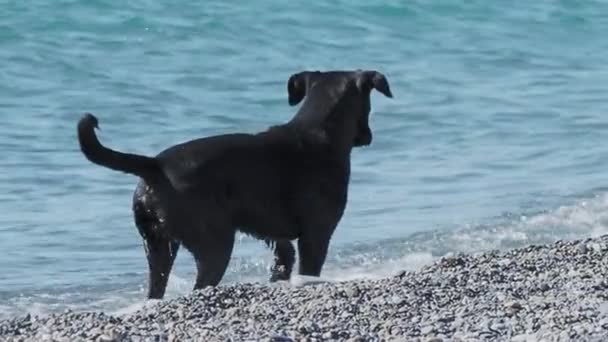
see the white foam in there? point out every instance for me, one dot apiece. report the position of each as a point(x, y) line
point(383, 269)
point(588, 217)
point(177, 286)
point(300, 280)
point(134, 307)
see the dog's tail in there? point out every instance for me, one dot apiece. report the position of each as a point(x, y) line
point(142, 166)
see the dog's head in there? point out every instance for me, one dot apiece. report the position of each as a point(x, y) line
point(339, 95)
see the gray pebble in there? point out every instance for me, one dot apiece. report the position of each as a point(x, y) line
point(427, 329)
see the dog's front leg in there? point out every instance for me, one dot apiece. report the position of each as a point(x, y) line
point(312, 251)
point(284, 258)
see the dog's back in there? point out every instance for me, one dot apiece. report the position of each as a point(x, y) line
point(262, 182)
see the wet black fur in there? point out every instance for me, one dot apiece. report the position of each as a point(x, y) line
point(287, 183)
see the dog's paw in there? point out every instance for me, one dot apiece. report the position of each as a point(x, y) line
point(279, 273)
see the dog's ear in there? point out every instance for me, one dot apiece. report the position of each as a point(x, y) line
point(297, 86)
point(369, 80)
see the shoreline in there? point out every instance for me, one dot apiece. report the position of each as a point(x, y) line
point(547, 292)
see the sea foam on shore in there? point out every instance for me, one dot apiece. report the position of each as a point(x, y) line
point(549, 292)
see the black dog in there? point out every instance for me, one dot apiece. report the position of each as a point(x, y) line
point(288, 182)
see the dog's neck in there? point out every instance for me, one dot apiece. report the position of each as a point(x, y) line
point(326, 116)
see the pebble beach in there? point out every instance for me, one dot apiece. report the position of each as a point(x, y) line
point(555, 292)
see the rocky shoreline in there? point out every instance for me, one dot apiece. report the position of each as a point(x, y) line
point(556, 292)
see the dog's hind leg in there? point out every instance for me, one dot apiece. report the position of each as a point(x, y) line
point(284, 258)
point(160, 251)
point(212, 255)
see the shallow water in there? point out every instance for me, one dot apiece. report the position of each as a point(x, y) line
point(495, 138)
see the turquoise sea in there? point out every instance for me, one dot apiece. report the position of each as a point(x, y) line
point(497, 136)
